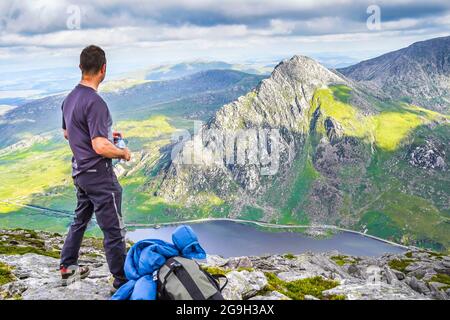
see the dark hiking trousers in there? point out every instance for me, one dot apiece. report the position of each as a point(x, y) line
point(98, 191)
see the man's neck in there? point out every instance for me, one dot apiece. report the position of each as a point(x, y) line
point(90, 82)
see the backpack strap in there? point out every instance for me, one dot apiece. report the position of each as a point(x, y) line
point(189, 284)
point(184, 277)
point(220, 276)
point(172, 266)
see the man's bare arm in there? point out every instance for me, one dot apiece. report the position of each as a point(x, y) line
point(105, 148)
point(65, 134)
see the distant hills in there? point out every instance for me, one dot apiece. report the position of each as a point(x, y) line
point(418, 74)
point(182, 69)
point(195, 96)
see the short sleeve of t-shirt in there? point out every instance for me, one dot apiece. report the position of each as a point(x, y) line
point(98, 119)
point(63, 121)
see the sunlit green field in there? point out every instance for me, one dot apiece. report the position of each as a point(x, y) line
point(387, 128)
point(41, 175)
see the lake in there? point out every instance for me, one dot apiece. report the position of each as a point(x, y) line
point(232, 239)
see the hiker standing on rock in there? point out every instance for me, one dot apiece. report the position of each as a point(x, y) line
point(87, 126)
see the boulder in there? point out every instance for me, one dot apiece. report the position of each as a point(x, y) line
point(381, 291)
point(239, 262)
point(417, 285)
point(244, 284)
point(39, 279)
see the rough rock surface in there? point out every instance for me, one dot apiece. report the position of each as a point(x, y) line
point(281, 102)
point(428, 156)
point(417, 274)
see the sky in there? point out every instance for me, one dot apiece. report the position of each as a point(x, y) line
point(38, 34)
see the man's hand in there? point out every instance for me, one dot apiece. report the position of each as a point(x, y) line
point(107, 149)
point(127, 154)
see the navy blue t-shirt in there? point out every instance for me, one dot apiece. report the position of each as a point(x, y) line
point(85, 117)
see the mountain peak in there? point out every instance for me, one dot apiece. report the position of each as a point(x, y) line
point(301, 67)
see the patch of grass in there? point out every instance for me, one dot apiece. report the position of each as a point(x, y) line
point(341, 260)
point(289, 256)
point(400, 264)
point(222, 271)
point(6, 248)
point(32, 170)
point(387, 128)
point(5, 274)
point(341, 92)
point(352, 122)
point(150, 128)
point(437, 255)
point(239, 269)
point(441, 278)
point(251, 213)
point(291, 196)
point(215, 270)
point(380, 224)
point(409, 218)
point(297, 290)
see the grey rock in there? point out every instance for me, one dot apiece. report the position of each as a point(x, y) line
point(289, 276)
point(381, 291)
point(37, 276)
point(244, 284)
point(43, 280)
point(309, 297)
point(272, 295)
point(417, 285)
point(428, 156)
point(12, 290)
point(391, 277)
point(437, 290)
point(355, 271)
point(239, 262)
point(215, 261)
point(400, 275)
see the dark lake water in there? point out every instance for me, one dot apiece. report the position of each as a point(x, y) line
point(231, 239)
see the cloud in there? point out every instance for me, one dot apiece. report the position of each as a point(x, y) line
point(235, 28)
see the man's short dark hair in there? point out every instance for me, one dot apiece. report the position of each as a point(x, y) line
point(92, 59)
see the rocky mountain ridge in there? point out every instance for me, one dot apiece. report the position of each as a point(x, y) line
point(282, 102)
point(29, 271)
point(336, 148)
point(419, 73)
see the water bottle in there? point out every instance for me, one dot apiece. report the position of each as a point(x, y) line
point(121, 145)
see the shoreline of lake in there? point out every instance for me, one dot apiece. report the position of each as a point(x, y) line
point(234, 238)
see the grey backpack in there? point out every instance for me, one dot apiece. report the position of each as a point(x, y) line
point(183, 279)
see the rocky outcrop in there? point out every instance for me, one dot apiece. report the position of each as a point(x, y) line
point(427, 156)
point(273, 119)
point(417, 274)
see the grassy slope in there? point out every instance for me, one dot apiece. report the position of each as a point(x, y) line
point(394, 209)
point(40, 175)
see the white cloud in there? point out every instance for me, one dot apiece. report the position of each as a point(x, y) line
point(226, 29)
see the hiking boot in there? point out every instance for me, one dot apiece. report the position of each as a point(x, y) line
point(117, 283)
point(73, 273)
